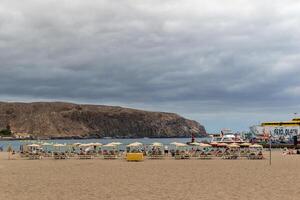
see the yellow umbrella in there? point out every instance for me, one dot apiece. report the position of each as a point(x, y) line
point(222, 145)
point(256, 146)
point(245, 144)
point(233, 145)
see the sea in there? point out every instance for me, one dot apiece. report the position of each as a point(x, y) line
point(15, 144)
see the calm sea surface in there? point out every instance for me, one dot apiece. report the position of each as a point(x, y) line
point(166, 141)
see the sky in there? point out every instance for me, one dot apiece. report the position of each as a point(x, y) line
point(225, 64)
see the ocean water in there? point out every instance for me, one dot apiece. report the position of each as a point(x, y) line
point(15, 144)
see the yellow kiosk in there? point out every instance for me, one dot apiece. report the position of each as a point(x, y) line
point(134, 152)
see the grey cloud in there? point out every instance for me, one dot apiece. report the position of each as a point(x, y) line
point(198, 58)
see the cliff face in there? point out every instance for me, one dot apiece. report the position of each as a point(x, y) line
point(68, 120)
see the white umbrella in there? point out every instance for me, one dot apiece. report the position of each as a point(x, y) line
point(116, 143)
point(194, 143)
point(109, 145)
point(174, 143)
point(156, 144)
point(46, 144)
point(135, 144)
point(88, 149)
point(97, 144)
point(33, 145)
point(256, 146)
point(181, 145)
point(59, 145)
point(76, 144)
point(85, 145)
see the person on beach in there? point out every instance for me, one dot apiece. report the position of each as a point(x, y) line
point(166, 150)
point(9, 150)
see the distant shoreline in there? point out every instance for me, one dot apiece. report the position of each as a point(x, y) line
point(85, 138)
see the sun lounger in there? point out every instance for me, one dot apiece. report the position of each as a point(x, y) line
point(84, 156)
point(34, 156)
point(182, 156)
point(205, 155)
point(255, 156)
point(156, 156)
point(60, 156)
point(110, 157)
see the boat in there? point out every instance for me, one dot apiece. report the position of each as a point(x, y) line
point(281, 131)
point(227, 136)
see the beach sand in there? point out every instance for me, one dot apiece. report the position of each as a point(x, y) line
point(151, 179)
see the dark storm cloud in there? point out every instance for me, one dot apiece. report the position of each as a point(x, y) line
point(198, 58)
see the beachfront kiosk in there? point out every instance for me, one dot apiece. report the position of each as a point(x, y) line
point(134, 152)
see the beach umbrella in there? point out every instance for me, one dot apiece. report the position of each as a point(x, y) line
point(59, 145)
point(245, 144)
point(97, 144)
point(89, 144)
point(76, 144)
point(135, 144)
point(181, 145)
point(204, 145)
point(194, 143)
point(116, 143)
point(33, 145)
point(46, 144)
point(174, 143)
point(233, 145)
point(256, 146)
point(156, 144)
point(214, 143)
point(85, 145)
point(222, 145)
point(109, 145)
point(88, 149)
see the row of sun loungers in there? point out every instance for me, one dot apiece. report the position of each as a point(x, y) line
point(176, 156)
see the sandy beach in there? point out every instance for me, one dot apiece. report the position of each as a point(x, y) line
point(151, 179)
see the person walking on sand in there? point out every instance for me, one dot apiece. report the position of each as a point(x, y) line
point(166, 150)
point(9, 150)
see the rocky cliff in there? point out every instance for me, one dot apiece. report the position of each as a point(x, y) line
point(57, 119)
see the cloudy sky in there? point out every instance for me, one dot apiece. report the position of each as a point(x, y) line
point(226, 63)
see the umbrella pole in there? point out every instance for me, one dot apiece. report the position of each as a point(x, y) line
point(270, 149)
